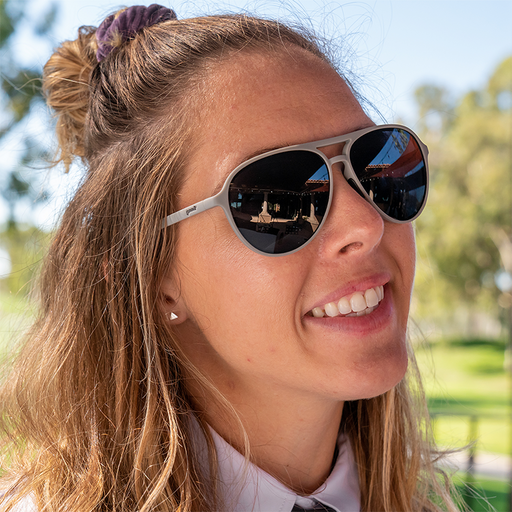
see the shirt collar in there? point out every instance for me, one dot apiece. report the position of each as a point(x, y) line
point(245, 487)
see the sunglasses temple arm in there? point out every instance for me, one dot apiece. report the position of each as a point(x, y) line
point(190, 211)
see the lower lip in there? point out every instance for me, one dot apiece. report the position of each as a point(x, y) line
point(377, 320)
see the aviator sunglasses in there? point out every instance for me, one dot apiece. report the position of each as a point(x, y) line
point(277, 201)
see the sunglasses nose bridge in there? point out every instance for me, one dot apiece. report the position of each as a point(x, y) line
point(346, 169)
point(348, 173)
point(336, 159)
point(339, 159)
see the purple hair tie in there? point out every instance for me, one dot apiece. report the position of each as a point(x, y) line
point(127, 24)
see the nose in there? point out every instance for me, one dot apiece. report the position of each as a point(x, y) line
point(353, 226)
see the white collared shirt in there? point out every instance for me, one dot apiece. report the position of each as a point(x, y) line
point(245, 487)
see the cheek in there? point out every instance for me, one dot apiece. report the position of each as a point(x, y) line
point(404, 253)
point(402, 246)
point(410, 261)
point(242, 310)
point(224, 282)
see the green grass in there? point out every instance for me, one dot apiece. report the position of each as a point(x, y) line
point(464, 379)
point(16, 314)
point(484, 495)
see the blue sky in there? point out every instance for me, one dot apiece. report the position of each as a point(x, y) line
point(395, 45)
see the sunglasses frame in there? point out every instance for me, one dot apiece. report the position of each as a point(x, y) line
point(222, 197)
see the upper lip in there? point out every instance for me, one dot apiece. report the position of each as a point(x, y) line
point(359, 285)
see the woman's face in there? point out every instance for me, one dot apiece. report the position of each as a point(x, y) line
point(245, 319)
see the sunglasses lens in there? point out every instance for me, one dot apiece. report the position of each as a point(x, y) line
point(390, 167)
point(279, 202)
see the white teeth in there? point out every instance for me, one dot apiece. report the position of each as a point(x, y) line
point(318, 312)
point(371, 298)
point(331, 309)
point(344, 306)
point(357, 304)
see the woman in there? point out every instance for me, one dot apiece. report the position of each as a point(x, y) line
point(249, 357)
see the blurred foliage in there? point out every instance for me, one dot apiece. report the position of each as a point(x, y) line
point(20, 95)
point(464, 235)
point(26, 247)
point(20, 91)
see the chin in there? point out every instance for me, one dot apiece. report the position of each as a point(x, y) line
point(381, 389)
point(376, 379)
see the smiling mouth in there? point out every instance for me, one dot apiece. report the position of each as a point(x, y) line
point(357, 304)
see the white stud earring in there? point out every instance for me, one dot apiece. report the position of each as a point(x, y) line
point(172, 316)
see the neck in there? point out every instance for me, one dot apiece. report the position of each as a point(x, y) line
point(293, 441)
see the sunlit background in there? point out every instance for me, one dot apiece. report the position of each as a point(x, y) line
point(442, 67)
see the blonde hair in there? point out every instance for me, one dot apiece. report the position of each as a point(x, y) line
point(96, 406)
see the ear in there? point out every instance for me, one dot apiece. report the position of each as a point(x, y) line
point(172, 304)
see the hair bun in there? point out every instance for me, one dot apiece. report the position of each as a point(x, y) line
point(127, 24)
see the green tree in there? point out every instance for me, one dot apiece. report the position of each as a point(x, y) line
point(20, 92)
point(20, 95)
point(465, 235)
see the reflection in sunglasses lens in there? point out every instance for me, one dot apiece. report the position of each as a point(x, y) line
point(390, 167)
point(278, 202)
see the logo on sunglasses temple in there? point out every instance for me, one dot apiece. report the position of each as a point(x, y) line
point(190, 210)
